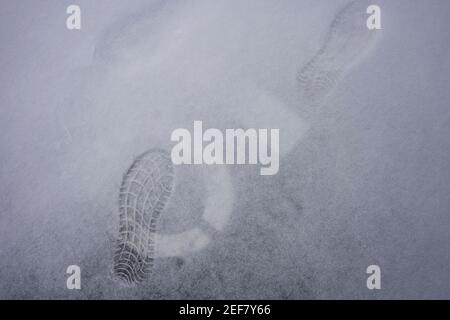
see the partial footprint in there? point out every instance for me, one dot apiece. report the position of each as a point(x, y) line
point(146, 188)
point(348, 41)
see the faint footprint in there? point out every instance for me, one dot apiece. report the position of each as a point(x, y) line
point(145, 191)
point(347, 42)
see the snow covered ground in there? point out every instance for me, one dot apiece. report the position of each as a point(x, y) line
point(364, 124)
